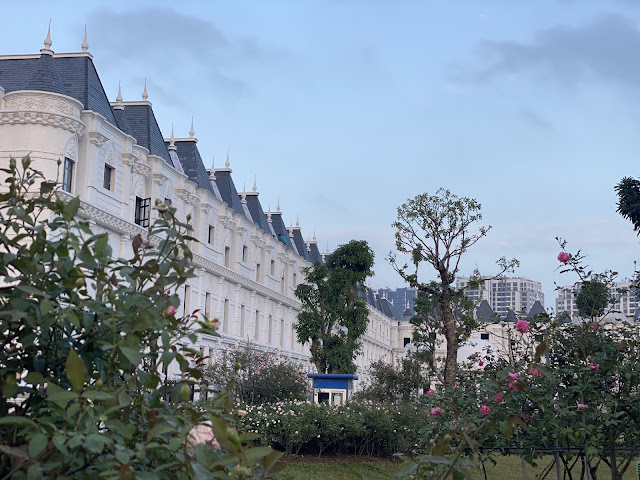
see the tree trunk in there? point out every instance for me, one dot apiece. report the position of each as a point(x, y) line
point(450, 335)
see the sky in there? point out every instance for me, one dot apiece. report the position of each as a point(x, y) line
point(341, 110)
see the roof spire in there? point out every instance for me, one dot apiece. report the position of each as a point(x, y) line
point(191, 132)
point(269, 214)
point(119, 105)
point(278, 206)
point(314, 235)
point(255, 186)
point(85, 45)
point(212, 170)
point(145, 95)
point(47, 42)
point(213, 160)
point(243, 195)
point(298, 221)
point(172, 141)
point(227, 163)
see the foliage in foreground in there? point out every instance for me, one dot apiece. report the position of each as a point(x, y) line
point(85, 339)
point(258, 377)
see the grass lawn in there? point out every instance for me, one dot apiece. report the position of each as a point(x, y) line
point(327, 468)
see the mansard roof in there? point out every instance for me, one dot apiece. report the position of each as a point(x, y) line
point(77, 73)
point(315, 253)
point(536, 309)
point(257, 213)
point(228, 190)
point(484, 312)
point(121, 121)
point(145, 129)
point(44, 76)
point(300, 245)
point(281, 231)
point(192, 163)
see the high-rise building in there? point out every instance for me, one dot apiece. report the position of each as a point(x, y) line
point(504, 294)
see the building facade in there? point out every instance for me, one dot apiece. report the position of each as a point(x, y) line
point(504, 294)
point(623, 306)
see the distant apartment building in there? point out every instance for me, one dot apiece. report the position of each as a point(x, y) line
point(514, 293)
point(624, 304)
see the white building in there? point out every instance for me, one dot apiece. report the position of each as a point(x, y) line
point(114, 156)
point(504, 294)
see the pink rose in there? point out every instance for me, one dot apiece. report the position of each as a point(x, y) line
point(457, 384)
point(484, 410)
point(499, 398)
point(535, 373)
point(480, 363)
point(522, 326)
point(593, 367)
point(563, 257)
point(581, 406)
point(437, 411)
point(429, 392)
point(171, 310)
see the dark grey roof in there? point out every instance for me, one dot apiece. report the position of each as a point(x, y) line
point(484, 313)
point(44, 76)
point(121, 121)
point(511, 316)
point(78, 76)
point(281, 231)
point(382, 306)
point(192, 165)
point(315, 253)
point(564, 317)
point(386, 307)
point(228, 191)
point(300, 245)
point(257, 214)
point(146, 131)
point(536, 309)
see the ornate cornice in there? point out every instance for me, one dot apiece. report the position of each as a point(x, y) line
point(159, 179)
point(141, 168)
point(188, 197)
point(97, 139)
point(42, 108)
point(241, 231)
point(42, 118)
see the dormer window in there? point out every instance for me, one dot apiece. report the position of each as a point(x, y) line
point(67, 175)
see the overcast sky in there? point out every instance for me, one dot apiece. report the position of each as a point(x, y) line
point(342, 110)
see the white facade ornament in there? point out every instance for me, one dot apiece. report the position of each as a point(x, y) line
point(97, 139)
point(71, 149)
point(42, 108)
point(47, 43)
point(255, 186)
point(191, 132)
point(145, 95)
point(227, 163)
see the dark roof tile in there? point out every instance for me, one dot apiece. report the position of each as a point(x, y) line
point(192, 164)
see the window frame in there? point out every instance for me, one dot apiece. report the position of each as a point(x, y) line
point(67, 174)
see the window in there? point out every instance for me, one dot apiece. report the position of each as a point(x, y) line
point(67, 175)
point(225, 316)
point(143, 211)
point(273, 267)
point(212, 235)
point(245, 253)
point(282, 333)
point(187, 300)
point(258, 272)
point(484, 336)
point(256, 334)
point(295, 280)
point(207, 305)
point(270, 338)
point(107, 181)
point(167, 202)
point(242, 321)
point(227, 257)
point(407, 341)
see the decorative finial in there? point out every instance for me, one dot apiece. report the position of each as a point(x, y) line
point(191, 132)
point(298, 221)
point(269, 214)
point(145, 95)
point(47, 42)
point(85, 45)
point(255, 186)
point(227, 163)
point(213, 160)
point(243, 195)
point(172, 141)
point(119, 97)
point(278, 206)
point(314, 235)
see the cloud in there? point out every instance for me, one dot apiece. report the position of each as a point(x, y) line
point(532, 118)
point(604, 50)
point(162, 43)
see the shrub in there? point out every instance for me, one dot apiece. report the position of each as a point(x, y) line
point(85, 338)
point(258, 377)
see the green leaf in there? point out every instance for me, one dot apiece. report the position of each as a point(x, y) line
point(59, 396)
point(34, 472)
point(18, 421)
point(46, 306)
point(255, 454)
point(37, 444)
point(98, 395)
point(34, 378)
point(132, 354)
point(94, 443)
point(71, 209)
point(76, 370)
point(10, 390)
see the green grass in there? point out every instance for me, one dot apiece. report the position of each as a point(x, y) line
point(507, 468)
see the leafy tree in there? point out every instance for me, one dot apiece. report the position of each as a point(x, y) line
point(85, 339)
point(593, 298)
point(437, 229)
point(395, 384)
point(628, 191)
point(334, 317)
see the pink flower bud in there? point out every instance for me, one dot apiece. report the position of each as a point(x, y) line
point(594, 367)
point(437, 411)
point(581, 406)
point(171, 310)
point(484, 410)
point(563, 257)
